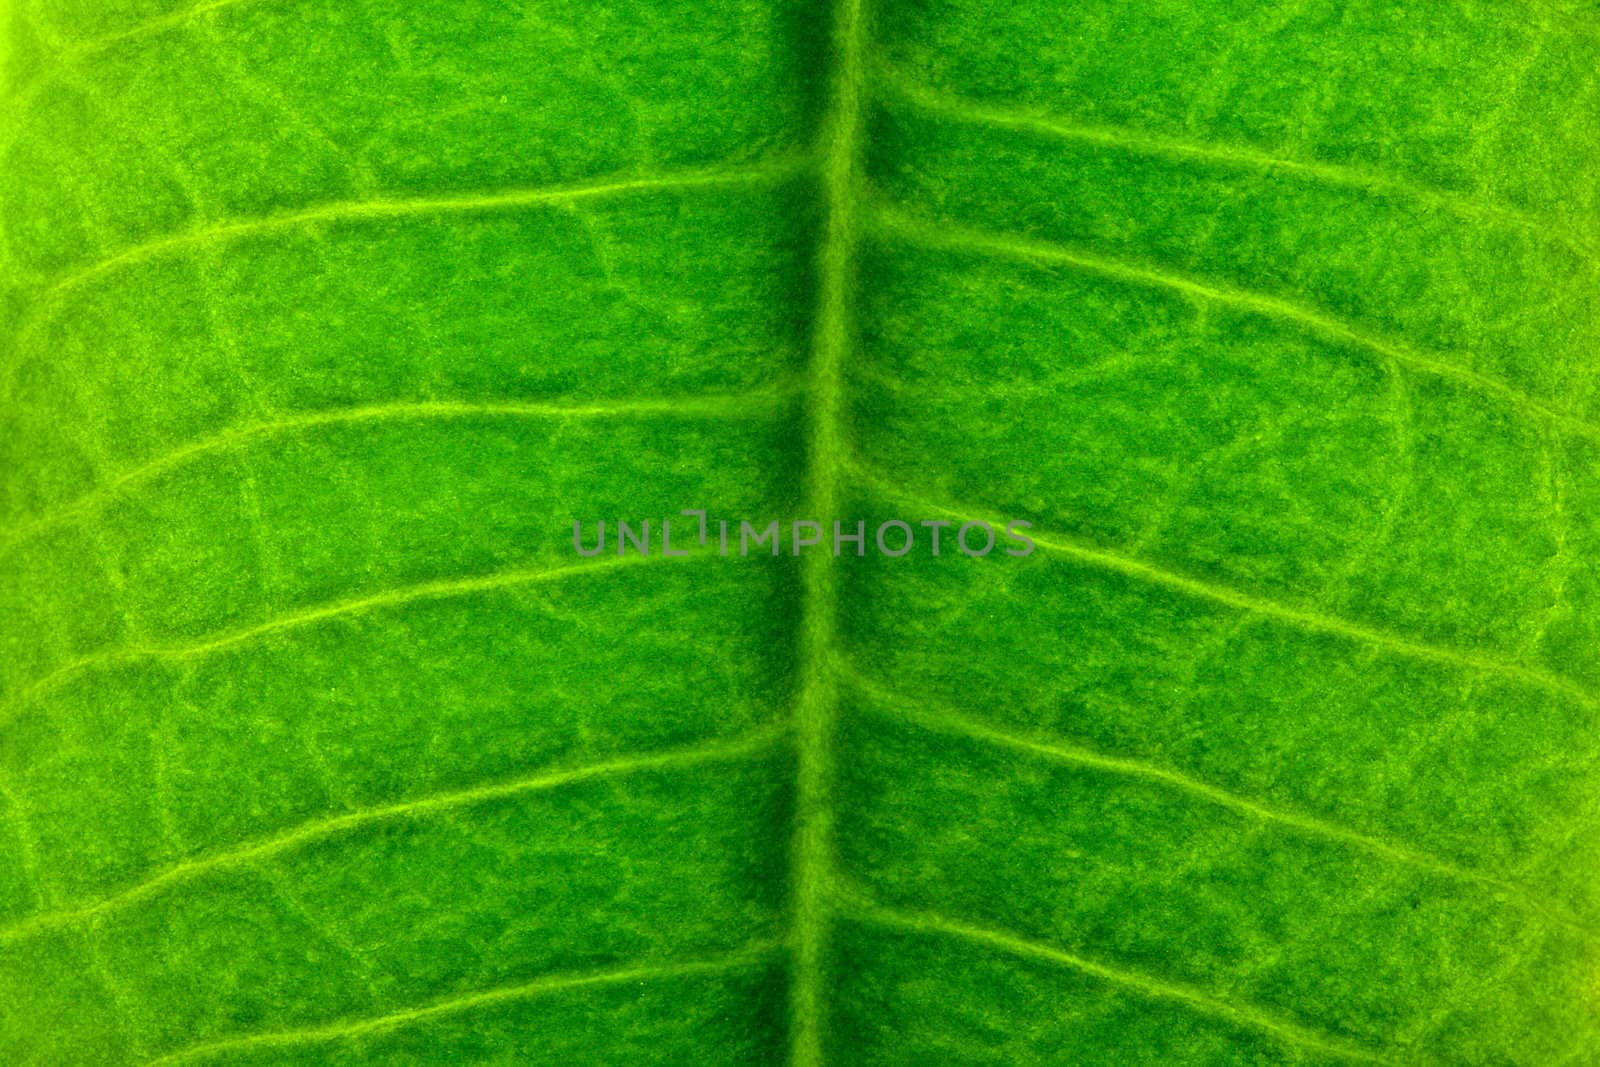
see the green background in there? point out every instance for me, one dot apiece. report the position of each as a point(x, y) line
point(322, 320)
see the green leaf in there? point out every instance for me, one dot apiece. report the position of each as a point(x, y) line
point(322, 322)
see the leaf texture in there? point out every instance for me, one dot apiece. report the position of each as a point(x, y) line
point(322, 322)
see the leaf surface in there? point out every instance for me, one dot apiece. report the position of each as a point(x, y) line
point(322, 322)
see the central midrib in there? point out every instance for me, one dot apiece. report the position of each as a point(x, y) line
point(816, 704)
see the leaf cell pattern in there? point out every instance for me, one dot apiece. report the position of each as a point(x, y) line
point(321, 323)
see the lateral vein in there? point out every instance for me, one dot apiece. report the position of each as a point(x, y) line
point(774, 169)
point(705, 406)
point(152, 27)
point(944, 103)
point(1206, 1003)
point(898, 223)
point(435, 590)
point(926, 714)
point(1303, 618)
point(750, 955)
point(306, 833)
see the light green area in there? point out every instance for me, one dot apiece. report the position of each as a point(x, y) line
point(322, 321)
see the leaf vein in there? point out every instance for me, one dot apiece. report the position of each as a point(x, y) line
point(1206, 1003)
point(152, 27)
point(927, 714)
point(1303, 618)
point(776, 168)
point(928, 233)
point(748, 956)
point(815, 707)
point(396, 597)
point(754, 401)
point(307, 833)
point(941, 102)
